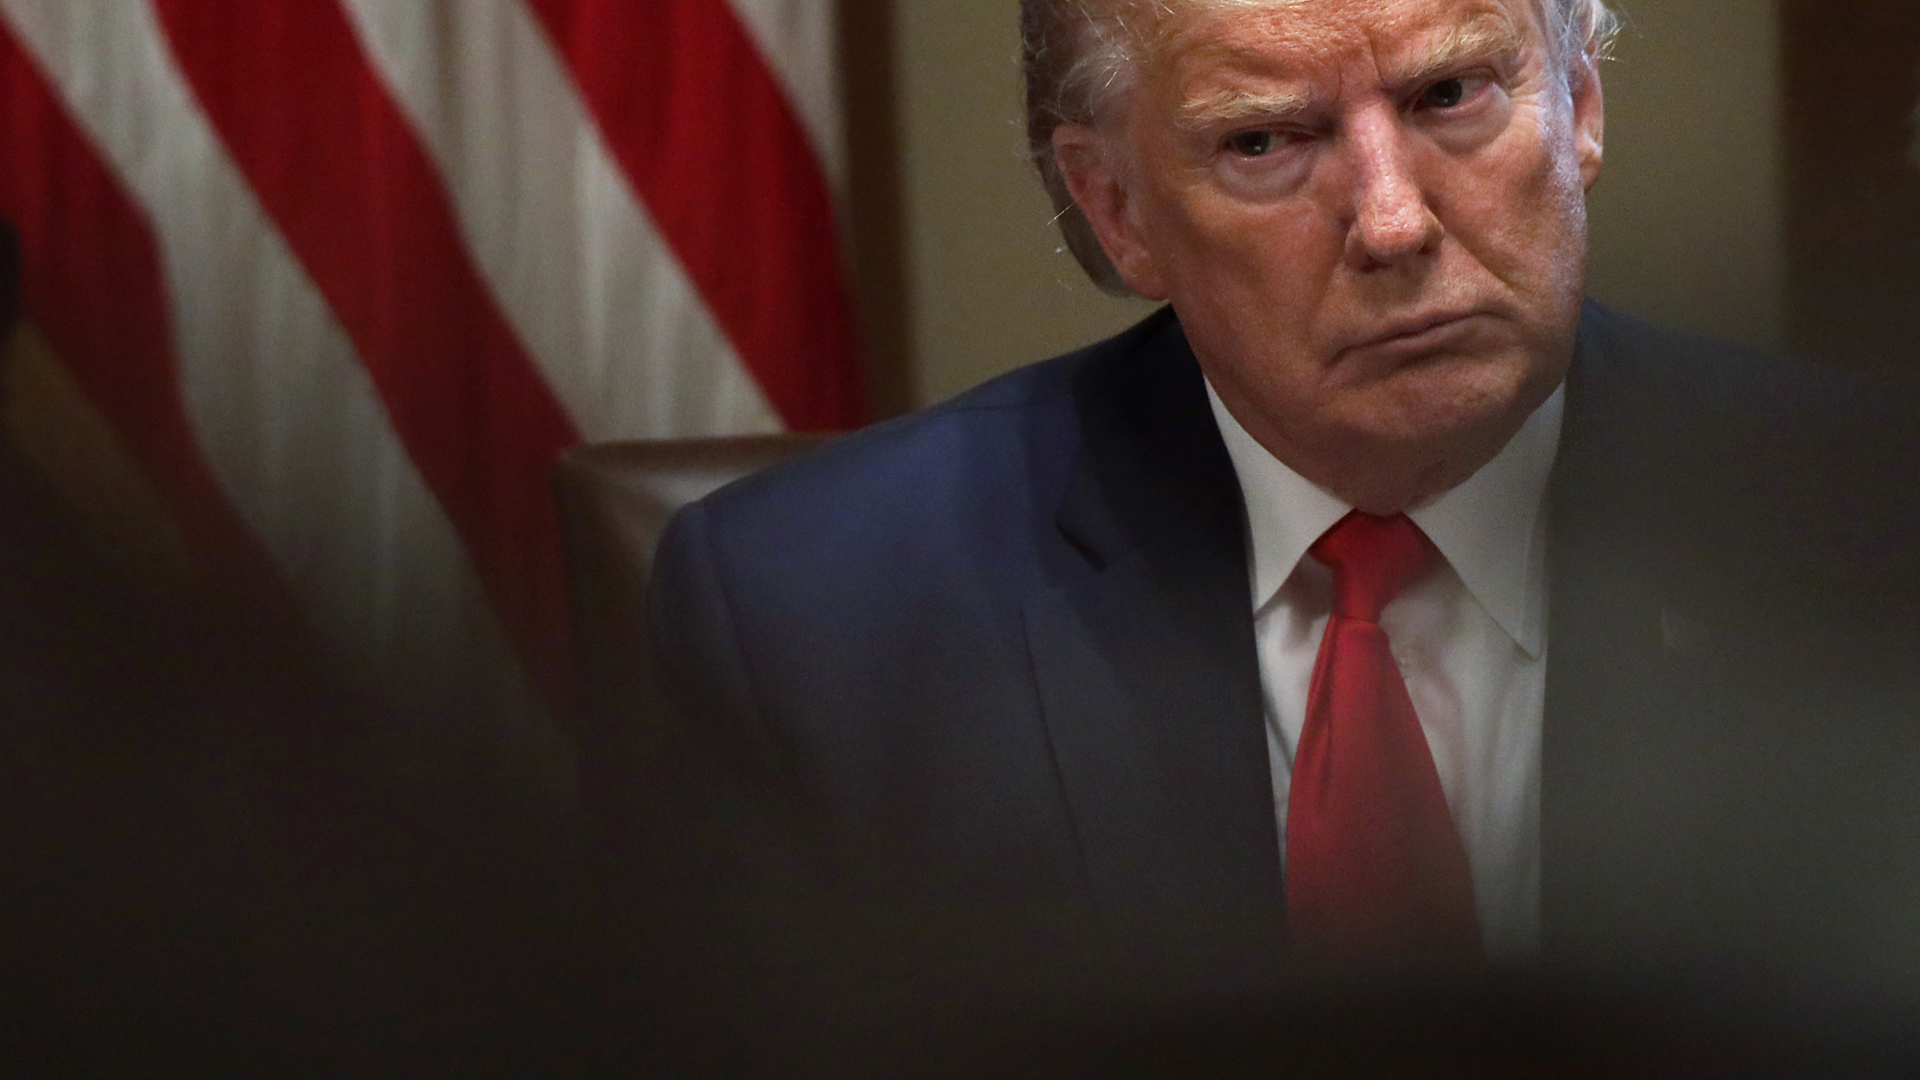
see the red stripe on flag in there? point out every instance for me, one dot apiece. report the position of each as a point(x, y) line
point(694, 115)
point(93, 283)
point(344, 177)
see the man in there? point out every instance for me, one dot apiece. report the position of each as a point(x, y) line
point(1103, 659)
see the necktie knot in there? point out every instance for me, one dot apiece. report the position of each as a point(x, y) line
point(1372, 559)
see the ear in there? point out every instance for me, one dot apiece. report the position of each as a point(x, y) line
point(1589, 116)
point(1096, 176)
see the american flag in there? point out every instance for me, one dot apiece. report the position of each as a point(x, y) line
point(336, 280)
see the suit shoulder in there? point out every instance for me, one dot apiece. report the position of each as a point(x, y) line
point(1646, 351)
point(1767, 466)
point(989, 436)
point(1694, 371)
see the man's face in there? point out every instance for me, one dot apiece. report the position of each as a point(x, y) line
point(1370, 216)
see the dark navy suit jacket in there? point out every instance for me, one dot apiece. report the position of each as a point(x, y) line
point(998, 658)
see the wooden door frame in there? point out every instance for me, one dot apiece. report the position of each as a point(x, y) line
point(875, 215)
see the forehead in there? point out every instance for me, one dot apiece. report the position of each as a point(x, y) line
point(1297, 38)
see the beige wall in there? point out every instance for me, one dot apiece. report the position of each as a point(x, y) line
point(1689, 218)
point(990, 288)
point(1686, 222)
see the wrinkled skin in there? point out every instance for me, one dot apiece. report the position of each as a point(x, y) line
point(1370, 216)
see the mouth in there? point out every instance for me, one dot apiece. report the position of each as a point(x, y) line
point(1418, 330)
point(1418, 338)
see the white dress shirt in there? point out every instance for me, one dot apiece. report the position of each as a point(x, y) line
point(1470, 638)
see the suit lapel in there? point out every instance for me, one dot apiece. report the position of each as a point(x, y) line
point(1144, 660)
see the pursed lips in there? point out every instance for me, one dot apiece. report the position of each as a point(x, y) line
point(1415, 332)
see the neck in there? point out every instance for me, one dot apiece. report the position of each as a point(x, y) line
point(1384, 476)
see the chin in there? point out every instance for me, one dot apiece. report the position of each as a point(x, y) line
point(1435, 404)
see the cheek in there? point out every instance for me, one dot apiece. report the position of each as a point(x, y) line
point(1259, 304)
point(1253, 299)
point(1520, 210)
point(1270, 260)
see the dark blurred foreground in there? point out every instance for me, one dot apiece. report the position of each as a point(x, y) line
point(1496, 1026)
point(206, 868)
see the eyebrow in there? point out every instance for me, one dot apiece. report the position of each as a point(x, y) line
point(1486, 37)
point(1234, 106)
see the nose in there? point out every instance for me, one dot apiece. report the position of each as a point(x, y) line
point(1392, 224)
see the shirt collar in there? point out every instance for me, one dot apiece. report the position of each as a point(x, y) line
point(1489, 529)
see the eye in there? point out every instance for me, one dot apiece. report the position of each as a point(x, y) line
point(1445, 94)
point(1450, 93)
point(1252, 144)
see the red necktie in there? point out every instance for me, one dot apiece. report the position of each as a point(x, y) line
point(1375, 869)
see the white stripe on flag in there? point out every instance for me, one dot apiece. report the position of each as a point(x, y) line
point(290, 422)
point(587, 282)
